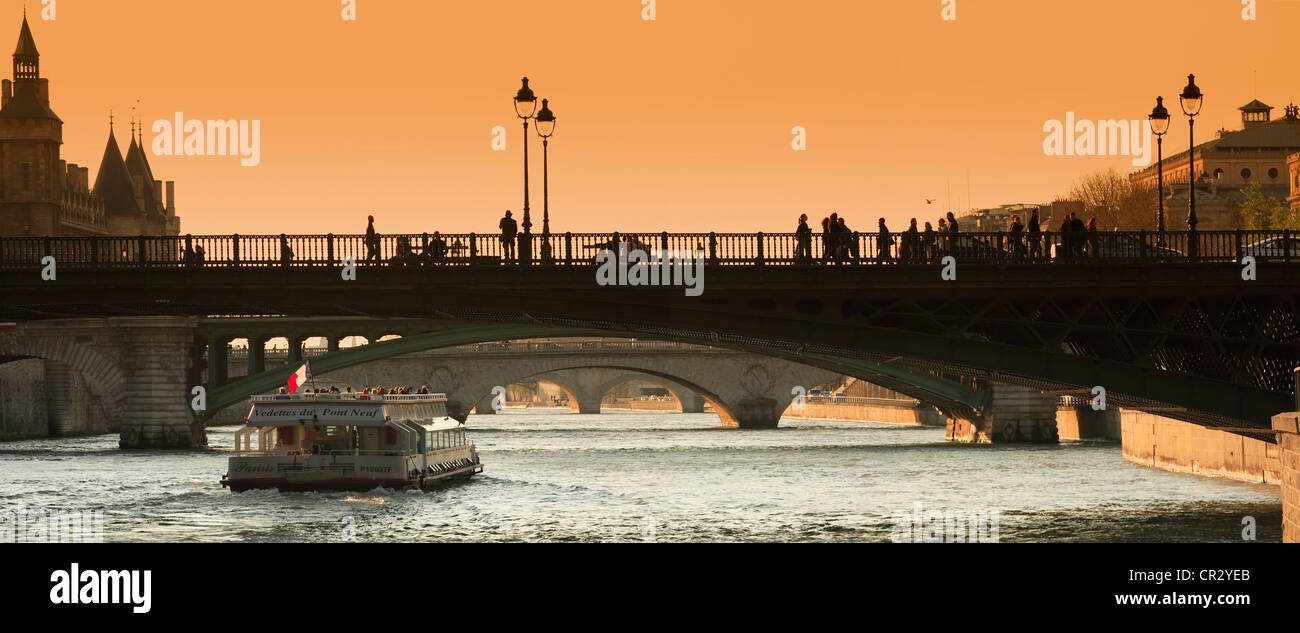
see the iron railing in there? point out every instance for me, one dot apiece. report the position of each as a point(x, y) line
point(581, 249)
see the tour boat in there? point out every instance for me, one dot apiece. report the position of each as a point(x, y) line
point(348, 441)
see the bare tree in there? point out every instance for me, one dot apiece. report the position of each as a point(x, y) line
point(1117, 203)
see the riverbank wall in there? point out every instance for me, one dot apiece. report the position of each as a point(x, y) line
point(1181, 447)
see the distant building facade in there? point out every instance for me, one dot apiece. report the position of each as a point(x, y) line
point(1050, 216)
point(1293, 165)
point(43, 195)
point(1256, 154)
point(996, 218)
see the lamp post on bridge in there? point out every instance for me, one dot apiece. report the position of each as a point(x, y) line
point(1191, 100)
point(545, 128)
point(525, 104)
point(1159, 118)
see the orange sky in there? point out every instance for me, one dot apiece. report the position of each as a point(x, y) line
point(680, 124)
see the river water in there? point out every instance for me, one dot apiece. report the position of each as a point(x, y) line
point(631, 476)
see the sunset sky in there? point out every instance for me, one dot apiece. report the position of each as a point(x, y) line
point(681, 124)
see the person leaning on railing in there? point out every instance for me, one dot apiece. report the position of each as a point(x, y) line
point(1017, 231)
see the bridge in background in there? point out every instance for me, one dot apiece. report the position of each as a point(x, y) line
point(744, 389)
point(1162, 322)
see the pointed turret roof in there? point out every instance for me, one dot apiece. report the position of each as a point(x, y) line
point(26, 43)
point(25, 103)
point(137, 165)
point(113, 182)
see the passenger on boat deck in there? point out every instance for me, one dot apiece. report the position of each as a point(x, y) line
point(424, 389)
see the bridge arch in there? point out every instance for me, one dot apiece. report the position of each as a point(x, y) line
point(949, 396)
point(586, 390)
point(102, 376)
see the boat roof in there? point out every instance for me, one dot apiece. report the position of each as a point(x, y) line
point(352, 398)
point(350, 410)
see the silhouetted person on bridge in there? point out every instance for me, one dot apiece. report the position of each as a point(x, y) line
point(884, 240)
point(910, 248)
point(1078, 234)
point(286, 253)
point(1017, 231)
point(828, 241)
point(1035, 236)
point(802, 240)
point(509, 229)
point(928, 246)
point(850, 238)
point(437, 247)
point(372, 241)
point(1066, 250)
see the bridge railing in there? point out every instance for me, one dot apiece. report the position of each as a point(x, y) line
point(279, 355)
point(581, 249)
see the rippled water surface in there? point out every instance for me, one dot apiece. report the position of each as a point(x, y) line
point(630, 476)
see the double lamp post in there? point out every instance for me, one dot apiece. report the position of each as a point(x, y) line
point(1191, 100)
point(526, 108)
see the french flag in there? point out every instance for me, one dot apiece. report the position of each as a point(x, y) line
point(299, 377)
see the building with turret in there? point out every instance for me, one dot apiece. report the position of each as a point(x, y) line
point(43, 195)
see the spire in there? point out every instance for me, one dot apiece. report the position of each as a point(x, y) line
point(113, 182)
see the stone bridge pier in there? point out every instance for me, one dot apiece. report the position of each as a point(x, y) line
point(138, 372)
point(1015, 414)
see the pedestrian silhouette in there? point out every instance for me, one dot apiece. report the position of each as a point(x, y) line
point(884, 241)
point(509, 229)
point(1035, 236)
point(372, 241)
point(802, 240)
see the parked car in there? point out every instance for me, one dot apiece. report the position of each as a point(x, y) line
point(1273, 248)
point(1108, 245)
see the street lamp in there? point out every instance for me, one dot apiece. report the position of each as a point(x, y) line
point(1159, 118)
point(525, 103)
point(1191, 100)
point(545, 128)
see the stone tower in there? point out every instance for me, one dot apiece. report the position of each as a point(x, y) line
point(42, 195)
point(31, 174)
